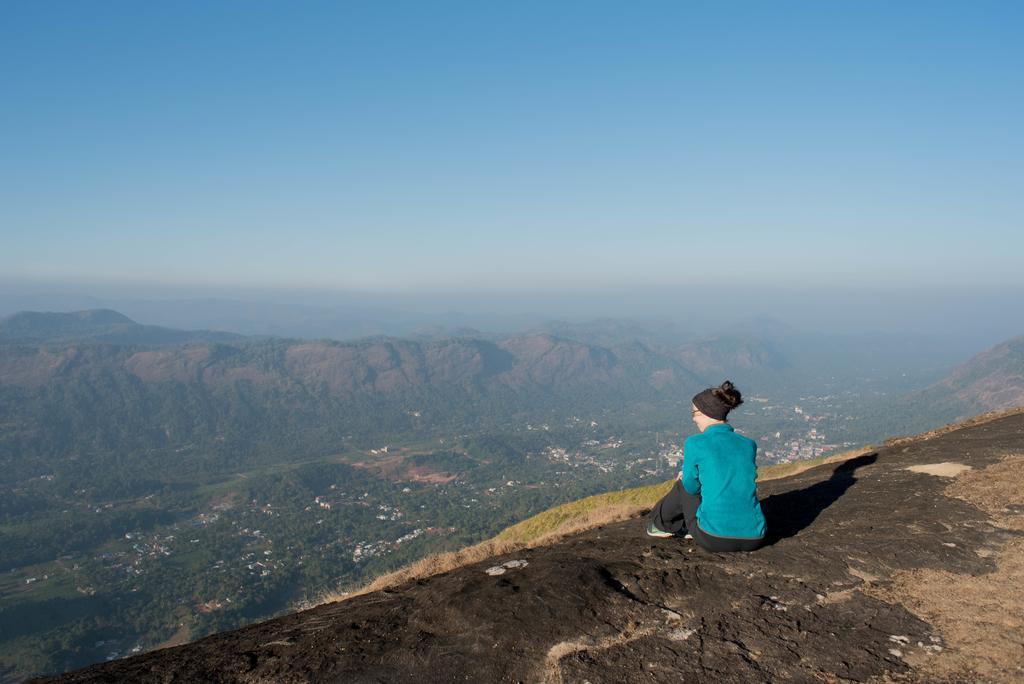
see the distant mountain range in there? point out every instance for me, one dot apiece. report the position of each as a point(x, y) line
point(98, 378)
point(607, 356)
point(56, 345)
point(96, 325)
point(599, 354)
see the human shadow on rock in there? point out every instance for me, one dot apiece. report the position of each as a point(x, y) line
point(790, 512)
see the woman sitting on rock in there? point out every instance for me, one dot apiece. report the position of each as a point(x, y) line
point(714, 498)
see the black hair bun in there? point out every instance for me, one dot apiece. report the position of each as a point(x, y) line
point(728, 393)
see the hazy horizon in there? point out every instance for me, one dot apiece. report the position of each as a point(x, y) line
point(536, 148)
point(963, 321)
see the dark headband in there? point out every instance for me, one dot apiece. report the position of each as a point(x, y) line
point(710, 405)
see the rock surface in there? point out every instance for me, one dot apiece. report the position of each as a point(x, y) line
point(820, 603)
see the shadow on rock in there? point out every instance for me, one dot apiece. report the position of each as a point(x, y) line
point(788, 513)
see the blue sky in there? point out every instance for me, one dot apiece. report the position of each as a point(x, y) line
point(515, 146)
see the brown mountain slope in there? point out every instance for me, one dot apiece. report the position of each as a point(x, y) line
point(991, 381)
point(906, 564)
point(382, 367)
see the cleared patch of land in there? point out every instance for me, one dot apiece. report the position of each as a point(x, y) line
point(944, 469)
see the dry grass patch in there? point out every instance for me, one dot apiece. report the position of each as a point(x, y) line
point(994, 490)
point(590, 512)
point(425, 567)
point(588, 521)
point(980, 617)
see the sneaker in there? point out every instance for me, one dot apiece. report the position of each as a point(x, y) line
point(653, 531)
point(688, 536)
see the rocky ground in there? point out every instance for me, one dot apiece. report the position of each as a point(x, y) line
point(901, 565)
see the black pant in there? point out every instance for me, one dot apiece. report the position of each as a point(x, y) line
point(677, 513)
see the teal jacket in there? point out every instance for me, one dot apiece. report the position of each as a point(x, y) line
point(719, 465)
